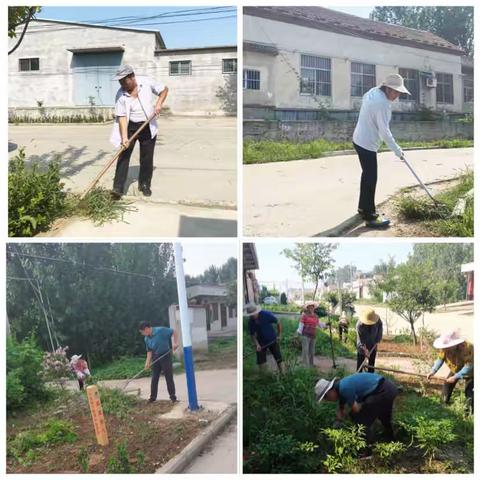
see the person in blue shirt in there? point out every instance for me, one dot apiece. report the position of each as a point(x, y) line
point(159, 345)
point(263, 335)
point(369, 397)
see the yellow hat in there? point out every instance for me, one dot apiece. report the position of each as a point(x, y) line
point(369, 317)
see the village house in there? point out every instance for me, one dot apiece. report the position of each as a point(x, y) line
point(300, 62)
point(67, 68)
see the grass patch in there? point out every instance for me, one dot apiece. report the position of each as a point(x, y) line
point(115, 402)
point(439, 220)
point(266, 151)
point(122, 368)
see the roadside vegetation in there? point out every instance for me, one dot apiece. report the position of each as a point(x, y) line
point(266, 151)
point(36, 199)
point(442, 221)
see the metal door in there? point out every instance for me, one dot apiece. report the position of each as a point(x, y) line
point(93, 74)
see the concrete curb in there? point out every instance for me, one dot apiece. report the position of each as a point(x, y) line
point(221, 205)
point(178, 463)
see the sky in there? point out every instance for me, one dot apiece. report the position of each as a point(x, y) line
point(274, 266)
point(358, 11)
point(221, 31)
point(198, 257)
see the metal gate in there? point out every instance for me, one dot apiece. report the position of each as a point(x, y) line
point(93, 73)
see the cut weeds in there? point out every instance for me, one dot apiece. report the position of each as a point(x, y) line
point(140, 441)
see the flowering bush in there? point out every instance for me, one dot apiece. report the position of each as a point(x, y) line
point(56, 366)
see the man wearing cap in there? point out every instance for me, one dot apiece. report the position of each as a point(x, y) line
point(369, 396)
point(369, 334)
point(457, 353)
point(133, 106)
point(373, 127)
point(263, 335)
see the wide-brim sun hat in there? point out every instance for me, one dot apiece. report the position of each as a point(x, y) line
point(75, 358)
point(369, 317)
point(251, 309)
point(322, 387)
point(447, 340)
point(395, 82)
point(123, 71)
point(310, 303)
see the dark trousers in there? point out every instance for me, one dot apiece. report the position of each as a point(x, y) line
point(448, 388)
point(342, 332)
point(371, 360)
point(368, 182)
point(274, 350)
point(378, 405)
point(147, 147)
point(164, 365)
point(80, 383)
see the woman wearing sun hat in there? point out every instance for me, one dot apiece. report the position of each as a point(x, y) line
point(369, 333)
point(457, 353)
point(307, 328)
point(373, 128)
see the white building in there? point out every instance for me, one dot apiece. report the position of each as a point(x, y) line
point(300, 61)
point(66, 65)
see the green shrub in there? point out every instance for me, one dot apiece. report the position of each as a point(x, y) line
point(83, 459)
point(347, 444)
point(115, 402)
point(120, 463)
point(24, 373)
point(387, 452)
point(35, 196)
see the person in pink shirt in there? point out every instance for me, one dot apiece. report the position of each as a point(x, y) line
point(309, 322)
point(80, 369)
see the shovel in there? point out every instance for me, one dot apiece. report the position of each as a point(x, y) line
point(114, 159)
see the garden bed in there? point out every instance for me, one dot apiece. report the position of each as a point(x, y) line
point(58, 437)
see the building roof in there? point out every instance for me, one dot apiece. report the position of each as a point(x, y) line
point(346, 24)
point(266, 48)
point(206, 290)
point(214, 48)
point(159, 43)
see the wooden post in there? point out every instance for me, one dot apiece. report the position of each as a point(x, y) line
point(93, 396)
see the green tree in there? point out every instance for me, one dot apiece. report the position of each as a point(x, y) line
point(383, 280)
point(331, 298)
point(312, 260)
point(19, 16)
point(413, 292)
point(455, 24)
point(263, 293)
point(283, 298)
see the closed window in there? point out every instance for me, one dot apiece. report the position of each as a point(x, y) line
point(411, 80)
point(362, 77)
point(444, 88)
point(181, 67)
point(251, 80)
point(229, 65)
point(468, 88)
point(28, 64)
point(316, 75)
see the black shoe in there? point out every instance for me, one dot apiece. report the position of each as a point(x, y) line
point(115, 195)
point(145, 189)
point(174, 400)
point(151, 400)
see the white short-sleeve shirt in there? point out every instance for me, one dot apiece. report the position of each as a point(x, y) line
point(147, 89)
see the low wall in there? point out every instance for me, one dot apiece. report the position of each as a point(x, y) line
point(333, 130)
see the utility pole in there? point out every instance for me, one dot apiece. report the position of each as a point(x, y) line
point(186, 328)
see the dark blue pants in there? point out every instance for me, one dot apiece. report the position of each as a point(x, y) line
point(164, 365)
point(368, 182)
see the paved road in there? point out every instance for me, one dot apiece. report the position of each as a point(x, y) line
point(220, 456)
point(307, 197)
point(195, 158)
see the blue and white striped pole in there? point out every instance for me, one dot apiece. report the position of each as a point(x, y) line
point(186, 329)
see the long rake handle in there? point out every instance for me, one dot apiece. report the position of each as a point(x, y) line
point(383, 369)
point(407, 163)
point(114, 159)
point(365, 361)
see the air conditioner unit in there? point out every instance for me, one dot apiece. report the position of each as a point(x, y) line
point(431, 82)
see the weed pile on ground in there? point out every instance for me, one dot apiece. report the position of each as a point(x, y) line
point(440, 220)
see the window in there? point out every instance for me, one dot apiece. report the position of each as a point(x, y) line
point(181, 67)
point(251, 80)
point(363, 78)
point(444, 88)
point(28, 64)
point(316, 76)
point(468, 88)
point(410, 78)
point(229, 65)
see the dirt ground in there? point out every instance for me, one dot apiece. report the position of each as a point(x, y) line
point(401, 227)
point(159, 439)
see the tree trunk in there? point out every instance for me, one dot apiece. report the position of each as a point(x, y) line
point(315, 291)
point(415, 341)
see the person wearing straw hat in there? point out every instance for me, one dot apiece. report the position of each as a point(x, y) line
point(263, 335)
point(369, 333)
point(80, 369)
point(373, 127)
point(457, 353)
point(343, 327)
point(307, 329)
point(369, 397)
point(133, 106)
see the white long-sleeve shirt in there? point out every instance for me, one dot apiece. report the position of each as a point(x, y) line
point(373, 123)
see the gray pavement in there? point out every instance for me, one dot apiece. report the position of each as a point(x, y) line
point(307, 197)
